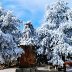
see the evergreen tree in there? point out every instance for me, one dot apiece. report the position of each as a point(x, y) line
point(9, 37)
point(29, 35)
point(55, 33)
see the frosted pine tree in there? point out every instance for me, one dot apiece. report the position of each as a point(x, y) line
point(62, 44)
point(9, 37)
point(55, 33)
point(29, 35)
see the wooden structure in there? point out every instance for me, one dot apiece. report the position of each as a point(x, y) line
point(29, 58)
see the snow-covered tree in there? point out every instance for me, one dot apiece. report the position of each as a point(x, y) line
point(55, 32)
point(29, 35)
point(44, 40)
point(10, 24)
point(56, 14)
point(9, 37)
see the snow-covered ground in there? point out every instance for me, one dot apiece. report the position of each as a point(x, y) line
point(38, 68)
point(42, 68)
point(14, 69)
point(9, 70)
point(69, 69)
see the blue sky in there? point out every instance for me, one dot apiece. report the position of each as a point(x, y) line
point(28, 10)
